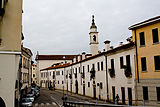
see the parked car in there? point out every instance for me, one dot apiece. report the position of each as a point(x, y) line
point(26, 102)
point(31, 96)
point(35, 92)
point(36, 88)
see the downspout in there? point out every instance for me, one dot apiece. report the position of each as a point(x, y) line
point(136, 56)
point(106, 78)
point(136, 93)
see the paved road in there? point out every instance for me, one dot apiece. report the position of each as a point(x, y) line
point(54, 98)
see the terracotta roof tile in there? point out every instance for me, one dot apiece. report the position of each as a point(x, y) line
point(55, 57)
point(55, 67)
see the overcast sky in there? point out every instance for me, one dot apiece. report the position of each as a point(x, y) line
point(62, 26)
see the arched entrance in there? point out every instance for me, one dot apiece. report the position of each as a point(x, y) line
point(76, 84)
point(2, 103)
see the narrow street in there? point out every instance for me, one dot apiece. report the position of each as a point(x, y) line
point(49, 98)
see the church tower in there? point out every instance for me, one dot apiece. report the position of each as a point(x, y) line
point(93, 38)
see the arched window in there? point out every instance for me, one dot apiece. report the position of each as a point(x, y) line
point(2, 103)
point(94, 38)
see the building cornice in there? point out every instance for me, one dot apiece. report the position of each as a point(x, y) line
point(10, 52)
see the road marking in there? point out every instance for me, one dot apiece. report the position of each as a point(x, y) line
point(55, 101)
point(42, 104)
point(47, 104)
point(36, 104)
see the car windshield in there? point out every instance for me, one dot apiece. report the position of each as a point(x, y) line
point(26, 100)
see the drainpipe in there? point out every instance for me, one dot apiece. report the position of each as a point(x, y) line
point(136, 65)
point(106, 78)
point(136, 56)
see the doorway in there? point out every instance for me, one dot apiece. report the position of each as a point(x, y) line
point(94, 91)
point(123, 95)
point(76, 84)
point(130, 96)
point(84, 89)
point(113, 93)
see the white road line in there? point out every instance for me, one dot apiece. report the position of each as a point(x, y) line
point(36, 104)
point(47, 104)
point(55, 100)
point(42, 104)
point(53, 103)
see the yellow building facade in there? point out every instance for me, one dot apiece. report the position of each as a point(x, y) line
point(146, 36)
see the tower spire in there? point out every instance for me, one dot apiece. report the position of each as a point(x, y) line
point(93, 24)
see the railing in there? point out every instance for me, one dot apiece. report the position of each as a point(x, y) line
point(88, 104)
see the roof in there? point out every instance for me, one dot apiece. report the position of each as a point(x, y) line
point(55, 57)
point(27, 51)
point(125, 46)
point(55, 67)
point(145, 23)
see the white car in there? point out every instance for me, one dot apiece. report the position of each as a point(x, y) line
point(26, 102)
point(31, 97)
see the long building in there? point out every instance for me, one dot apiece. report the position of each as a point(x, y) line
point(100, 75)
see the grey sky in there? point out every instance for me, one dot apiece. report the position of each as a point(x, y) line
point(62, 26)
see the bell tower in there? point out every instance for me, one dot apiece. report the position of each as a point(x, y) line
point(93, 38)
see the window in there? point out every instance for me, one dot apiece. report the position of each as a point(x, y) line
point(33, 75)
point(157, 62)
point(88, 68)
point(121, 62)
point(88, 84)
point(158, 93)
point(79, 69)
point(98, 67)
point(62, 72)
point(53, 75)
point(142, 39)
point(102, 65)
point(83, 69)
point(94, 38)
point(58, 73)
point(62, 82)
point(128, 60)
point(50, 73)
point(145, 93)
point(143, 64)
point(101, 85)
point(155, 35)
point(93, 67)
point(76, 70)
point(112, 63)
point(58, 82)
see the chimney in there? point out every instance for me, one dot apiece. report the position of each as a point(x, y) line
point(107, 43)
point(129, 40)
point(121, 43)
point(83, 55)
point(74, 60)
point(111, 47)
point(79, 57)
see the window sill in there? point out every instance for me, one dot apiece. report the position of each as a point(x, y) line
point(156, 43)
point(142, 46)
point(157, 70)
point(144, 71)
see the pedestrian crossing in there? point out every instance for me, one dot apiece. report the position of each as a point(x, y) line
point(53, 104)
